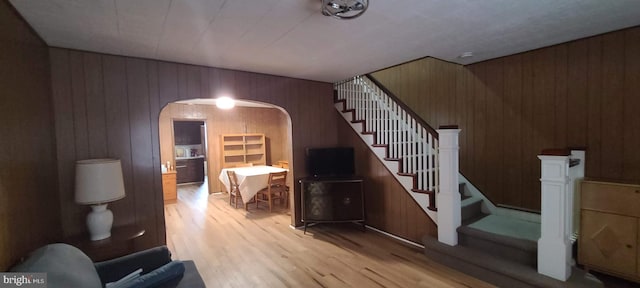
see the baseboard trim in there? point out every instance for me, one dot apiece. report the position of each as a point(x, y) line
point(396, 237)
point(414, 244)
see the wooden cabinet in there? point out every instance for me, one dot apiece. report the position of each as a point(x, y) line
point(190, 170)
point(187, 132)
point(332, 200)
point(243, 148)
point(609, 221)
point(169, 189)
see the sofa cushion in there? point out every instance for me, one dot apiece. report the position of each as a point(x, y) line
point(190, 279)
point(148, 260)
point(165, 273)
point(65, 265)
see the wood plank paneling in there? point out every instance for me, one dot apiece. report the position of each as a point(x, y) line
point(470, 112)
point(594, 115)
point(461, 116)
point(96, 126)
point(543, 64)
point(612, 102)
point(577, 60)
point(63, 111)
point(29, 207)
point(480, 126)
point(631, 138)
point(79, 104)
point(168, 82)
point(529, 162)
point(512, 113)
point(132, 92)
point(495, 125)
point(118, 141)
point(141, 150)
point(154, 115)
point(560, 99)
point(581, 93)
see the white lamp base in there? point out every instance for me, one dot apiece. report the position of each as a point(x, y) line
point(99, 222)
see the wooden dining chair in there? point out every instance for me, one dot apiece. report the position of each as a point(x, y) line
point(234, 188)
point(276, 190)
point(283, 164)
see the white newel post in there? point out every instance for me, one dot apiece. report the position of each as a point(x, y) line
point(554, 245)
point(576, 173)
point(448, 198)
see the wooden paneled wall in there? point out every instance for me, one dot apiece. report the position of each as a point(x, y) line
point(388, 206)
point(29, 210)
point(109, 106)
point(581, 93)
point(270, 121)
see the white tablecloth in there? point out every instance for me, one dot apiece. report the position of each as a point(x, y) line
point(250, 179)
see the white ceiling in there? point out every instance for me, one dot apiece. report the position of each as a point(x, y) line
point(292, 38)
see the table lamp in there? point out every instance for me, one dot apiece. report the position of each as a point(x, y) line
point(98, 182)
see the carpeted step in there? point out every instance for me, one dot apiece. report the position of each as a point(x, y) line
point(471, 208)
point(498, 271)
point(508, 238)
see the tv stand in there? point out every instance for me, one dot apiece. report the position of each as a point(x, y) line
point(332, 200)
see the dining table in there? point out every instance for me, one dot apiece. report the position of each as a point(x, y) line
point(250, 179)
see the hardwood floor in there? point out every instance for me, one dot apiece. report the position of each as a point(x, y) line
point(235, 248)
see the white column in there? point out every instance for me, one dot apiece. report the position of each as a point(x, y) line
point(554, 245)
point(448, 198)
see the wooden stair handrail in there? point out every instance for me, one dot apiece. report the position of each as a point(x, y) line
point(403, 106)
point(563, 152)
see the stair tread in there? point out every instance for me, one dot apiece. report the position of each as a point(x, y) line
point(469, 200)
point(508, 268)
point(509, 227)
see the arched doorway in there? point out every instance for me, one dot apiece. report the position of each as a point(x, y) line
point(246, 117)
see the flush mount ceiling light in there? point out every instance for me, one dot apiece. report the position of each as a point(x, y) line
point(344, 9)
point(465, 55)
point(225, 103)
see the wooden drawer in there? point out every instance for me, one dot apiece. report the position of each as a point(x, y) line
point(169, 188)
point(611, 198)
point(608, 242)
point(168, 181)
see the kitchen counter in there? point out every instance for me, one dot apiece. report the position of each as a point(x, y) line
point(187, 158)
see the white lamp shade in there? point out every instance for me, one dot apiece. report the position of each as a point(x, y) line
point(98, 181)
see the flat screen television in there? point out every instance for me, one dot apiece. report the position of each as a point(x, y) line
point(330, 162)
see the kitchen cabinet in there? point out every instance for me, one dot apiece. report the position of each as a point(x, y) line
point(243, 148)
point(187, 132)
point(609, 221)
point(190, 170)
point(169, 189)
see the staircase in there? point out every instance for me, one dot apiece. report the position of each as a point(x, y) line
point(404, 143)
point(492, 244)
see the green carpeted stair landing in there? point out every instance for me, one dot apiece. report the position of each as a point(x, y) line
point(498, 249)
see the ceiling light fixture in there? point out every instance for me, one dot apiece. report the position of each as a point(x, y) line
point(344, 9)
point(225, 103)
point(466, 55)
